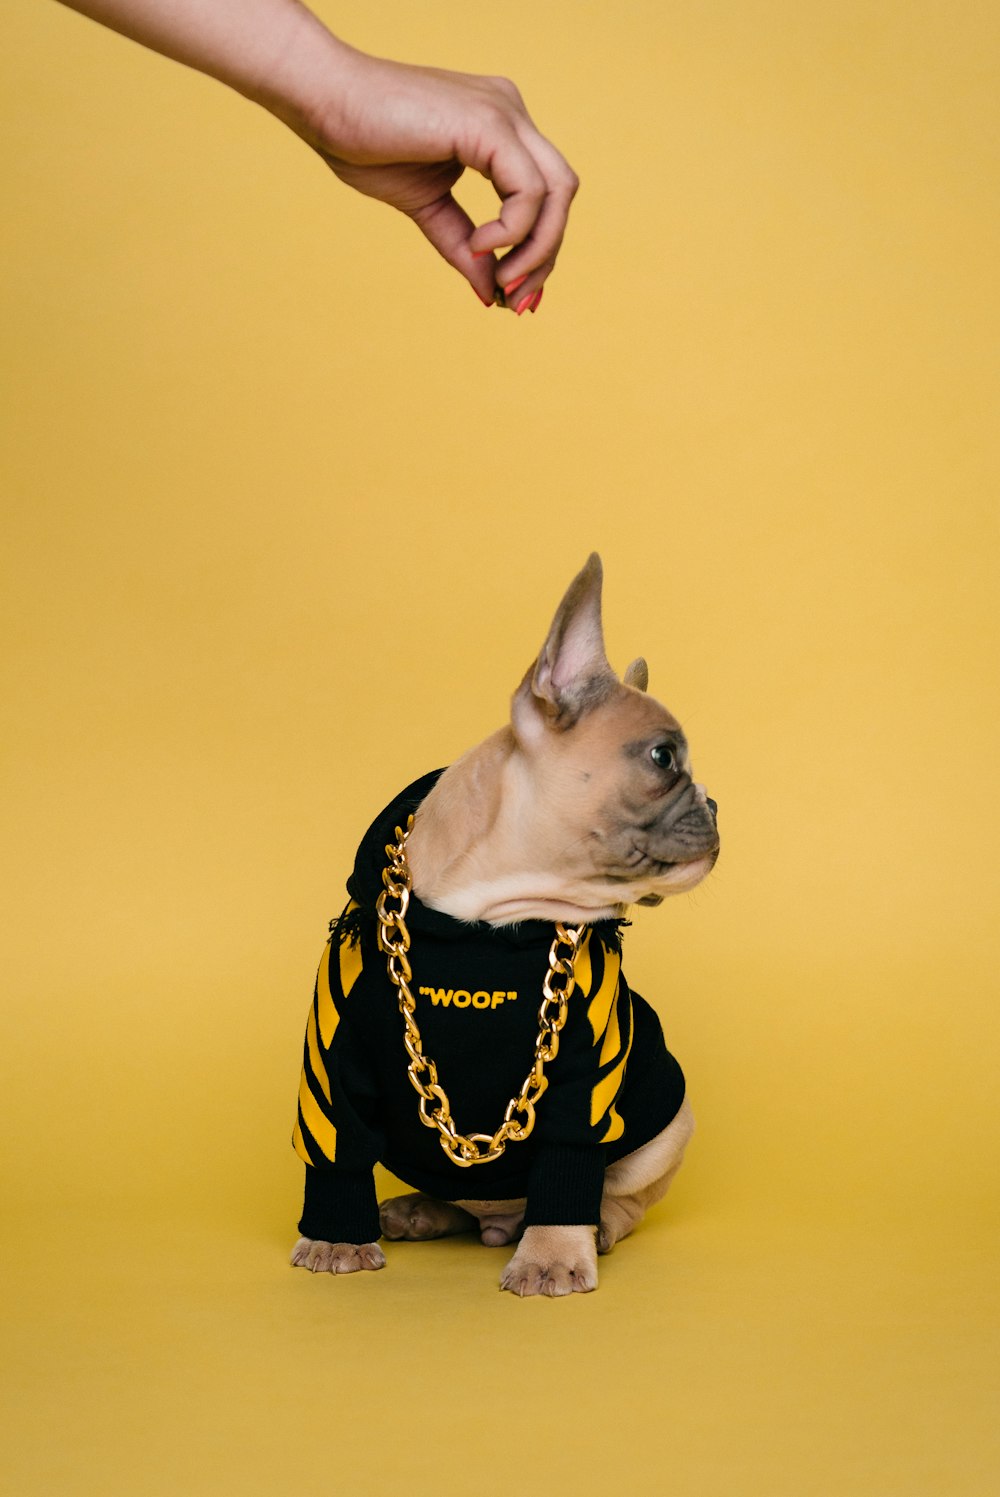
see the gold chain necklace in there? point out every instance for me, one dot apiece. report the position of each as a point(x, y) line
point(434, 1107)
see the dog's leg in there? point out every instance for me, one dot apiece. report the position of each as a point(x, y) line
point(620, 1215)
point(639, 1180)
point(563, 1260)
point(553, 1261)
point(336, 1257)
point(418, 1218)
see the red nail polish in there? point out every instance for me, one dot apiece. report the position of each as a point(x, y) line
point(512, 286)
point(523, 306)
point(537, 300)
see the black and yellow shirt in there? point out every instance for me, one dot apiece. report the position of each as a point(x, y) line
point(612, 1086)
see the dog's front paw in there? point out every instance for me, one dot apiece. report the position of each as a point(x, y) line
point(553, 1261)
point(336, 1257)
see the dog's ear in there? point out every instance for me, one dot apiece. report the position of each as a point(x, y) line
point(572, 671)
point(637, 674)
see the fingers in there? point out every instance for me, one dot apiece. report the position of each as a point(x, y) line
point(537, 186)
point(532, 260)
point(450, 229)
point(512, 169)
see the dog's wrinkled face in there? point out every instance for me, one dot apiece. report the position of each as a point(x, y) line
point(624, 772)
point(606, 768)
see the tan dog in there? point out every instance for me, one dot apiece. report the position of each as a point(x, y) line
point(582, 806)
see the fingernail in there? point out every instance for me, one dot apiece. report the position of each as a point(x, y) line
point(481, 254)
point(523, 306)
point(537, 300)
point(486, 301)
point(512, 286)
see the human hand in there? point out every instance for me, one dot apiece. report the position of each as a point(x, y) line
point(405, 135)
point(399, 133)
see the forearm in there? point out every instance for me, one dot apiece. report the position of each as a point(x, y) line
point(275, 52)
point(398, 133)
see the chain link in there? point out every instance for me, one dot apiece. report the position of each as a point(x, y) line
point(434, 1107)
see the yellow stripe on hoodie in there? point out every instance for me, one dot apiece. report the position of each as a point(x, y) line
point(599, 1011)
point(326, 1010)
point(321, 1130)
point(606, 1091)
point(315, 1058)
point(616, 1126)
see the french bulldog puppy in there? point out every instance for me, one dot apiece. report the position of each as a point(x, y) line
point(583, 805)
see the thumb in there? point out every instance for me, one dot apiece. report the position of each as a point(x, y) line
point(449, 228)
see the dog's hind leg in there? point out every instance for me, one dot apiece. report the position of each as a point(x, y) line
point(418, 1218)
point(637, 1181)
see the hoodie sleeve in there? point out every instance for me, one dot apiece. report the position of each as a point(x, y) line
point(577, 1116)
point(336, 1127)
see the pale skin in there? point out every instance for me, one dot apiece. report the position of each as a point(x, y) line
point(396, 132)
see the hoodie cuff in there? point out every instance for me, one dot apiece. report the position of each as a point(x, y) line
point(565, 1186)
point(340, 1206)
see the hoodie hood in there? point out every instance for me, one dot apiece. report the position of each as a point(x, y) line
point(365, 885)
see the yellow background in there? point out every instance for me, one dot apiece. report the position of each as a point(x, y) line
point(286, 514)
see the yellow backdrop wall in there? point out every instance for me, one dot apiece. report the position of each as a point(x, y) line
point(286, 514)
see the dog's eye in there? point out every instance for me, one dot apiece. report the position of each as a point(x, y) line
point(662, 756)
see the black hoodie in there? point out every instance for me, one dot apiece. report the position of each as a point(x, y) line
point(478, 988)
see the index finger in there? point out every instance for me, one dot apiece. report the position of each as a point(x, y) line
point(521, 185)
point(539, 249)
